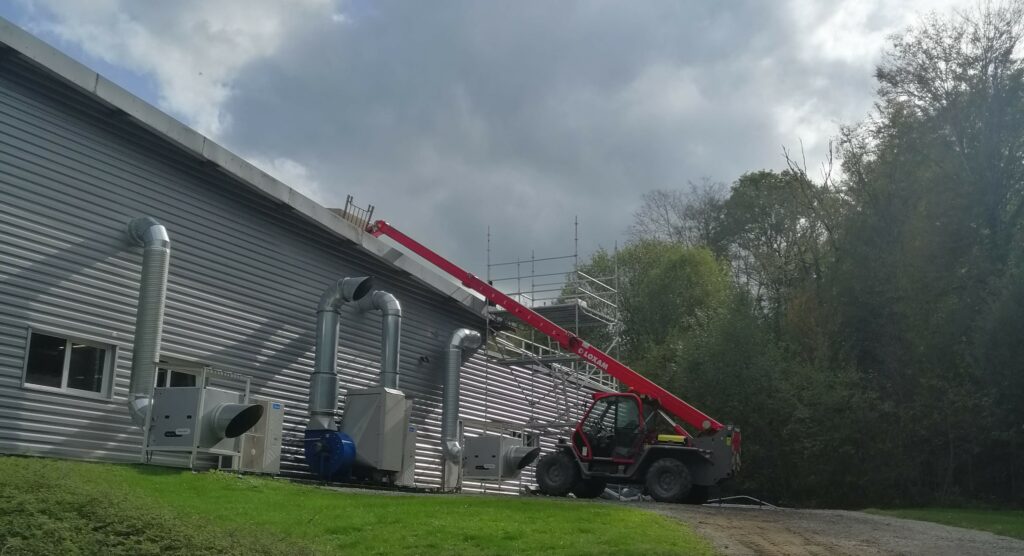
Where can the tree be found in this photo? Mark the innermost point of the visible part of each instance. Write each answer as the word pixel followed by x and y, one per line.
pixel 771 235
pixel 687 217
pixel 865 331
pixel 934 181
pixel 961 81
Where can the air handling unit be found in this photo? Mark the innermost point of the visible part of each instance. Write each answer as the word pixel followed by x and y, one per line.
pixel 496 458
pixel 377 420
pixel 199 419
pixel 206 419
pixel 376 441
pixel 482 458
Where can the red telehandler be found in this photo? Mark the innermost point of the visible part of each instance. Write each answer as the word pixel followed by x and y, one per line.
pixel 630 437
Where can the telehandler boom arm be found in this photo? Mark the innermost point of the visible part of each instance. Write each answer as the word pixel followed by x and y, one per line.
pixel 567 340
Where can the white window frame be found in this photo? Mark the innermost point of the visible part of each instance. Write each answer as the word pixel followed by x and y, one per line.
pixel 109 364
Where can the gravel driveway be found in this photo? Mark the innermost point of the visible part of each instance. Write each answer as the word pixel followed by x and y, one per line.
pixel 830 532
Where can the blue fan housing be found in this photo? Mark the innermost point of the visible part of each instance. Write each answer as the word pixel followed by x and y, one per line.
pixel 329 454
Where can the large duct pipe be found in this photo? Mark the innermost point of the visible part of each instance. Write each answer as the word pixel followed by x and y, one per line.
pixel 323 388
pixel 231 420
pixel 391 333
pixel 462 338
pixel 149 317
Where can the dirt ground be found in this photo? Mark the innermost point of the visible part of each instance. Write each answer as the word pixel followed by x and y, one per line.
pixel 736 531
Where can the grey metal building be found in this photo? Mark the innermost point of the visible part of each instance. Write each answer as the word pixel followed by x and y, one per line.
pixel 79 158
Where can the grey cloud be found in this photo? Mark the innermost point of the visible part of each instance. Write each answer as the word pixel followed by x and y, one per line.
pixel 450 117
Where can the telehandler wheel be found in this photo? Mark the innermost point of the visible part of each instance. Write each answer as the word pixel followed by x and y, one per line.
pixel 589 488
pixel 557 474
pixel 668 480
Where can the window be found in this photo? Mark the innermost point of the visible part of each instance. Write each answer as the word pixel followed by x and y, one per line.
pixel 612 428
pixel 68 364
pixel 174 379
pixel 601 419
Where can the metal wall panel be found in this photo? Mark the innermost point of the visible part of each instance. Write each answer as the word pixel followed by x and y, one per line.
pixel 245 277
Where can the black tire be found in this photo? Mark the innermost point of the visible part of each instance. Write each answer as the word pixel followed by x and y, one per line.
pixel 668 480
pixel 589 488
pixel 557 474
pixel 699 494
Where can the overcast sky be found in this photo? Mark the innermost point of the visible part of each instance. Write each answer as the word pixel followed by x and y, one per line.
pixel 454 116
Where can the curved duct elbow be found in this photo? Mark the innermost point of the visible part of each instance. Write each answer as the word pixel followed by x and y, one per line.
pixel 391 333
pixel 323 388
pixel 149 316
pixel 343 291
pixel 462 339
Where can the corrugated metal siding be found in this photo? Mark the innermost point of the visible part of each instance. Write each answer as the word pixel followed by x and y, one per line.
pixel 246 274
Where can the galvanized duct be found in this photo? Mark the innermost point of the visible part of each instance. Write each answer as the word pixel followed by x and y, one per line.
pixel 391 333
pixel 462 338
pixel 323 385
pixel 149 316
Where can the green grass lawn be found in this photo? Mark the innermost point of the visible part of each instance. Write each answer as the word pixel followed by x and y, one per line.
pixel 1009 523
pixel 63 507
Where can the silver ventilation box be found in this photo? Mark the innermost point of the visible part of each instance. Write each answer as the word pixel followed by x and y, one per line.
pixel 493 458
pixel 377 420
pixel 209 419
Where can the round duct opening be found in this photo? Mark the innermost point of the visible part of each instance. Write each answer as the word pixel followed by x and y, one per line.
pixel 354 289
pixel 233 420
pixel 521 456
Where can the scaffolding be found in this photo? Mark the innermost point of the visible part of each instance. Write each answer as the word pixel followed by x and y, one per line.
pixel 558 289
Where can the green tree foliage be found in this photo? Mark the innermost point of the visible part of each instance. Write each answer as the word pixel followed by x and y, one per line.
pixel 672 292
pixel 867 333
pixel 770 232
pixel 928 262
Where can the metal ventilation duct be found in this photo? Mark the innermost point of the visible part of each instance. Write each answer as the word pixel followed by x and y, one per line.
pixel 391 333
pixel 149 317
pixel 231 420
pixel 462 338
pixel 323 388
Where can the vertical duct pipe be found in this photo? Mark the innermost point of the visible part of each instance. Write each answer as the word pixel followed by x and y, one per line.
pixel 323 388
pixel 462 338
pixel 391 333
pixel 149 317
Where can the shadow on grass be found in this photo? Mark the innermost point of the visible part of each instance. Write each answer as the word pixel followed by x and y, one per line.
pixel 156 471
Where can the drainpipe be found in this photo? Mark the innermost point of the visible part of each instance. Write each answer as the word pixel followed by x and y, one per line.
pixel 323 387
pixel 149 317
pixel 462 338
pixel 391 333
